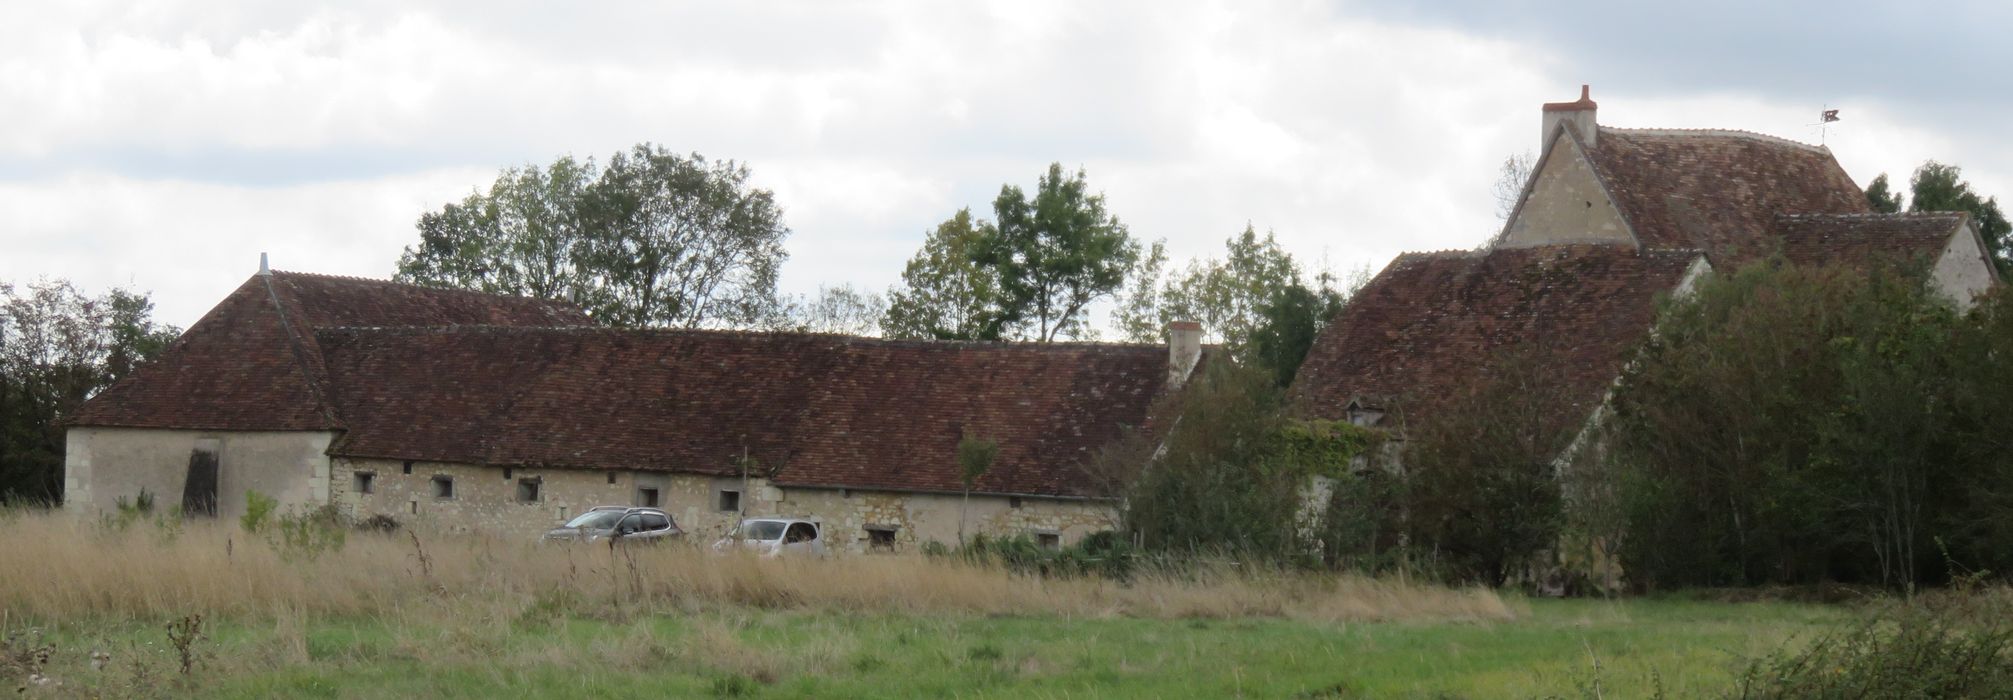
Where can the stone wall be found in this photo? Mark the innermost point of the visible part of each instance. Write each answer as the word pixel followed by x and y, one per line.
pixel 484 500
pixel 102 465
pixel 1961 271
pixel 1566 205
pixel 924 517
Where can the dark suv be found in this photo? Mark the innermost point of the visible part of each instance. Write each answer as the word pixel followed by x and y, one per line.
pixel 616 522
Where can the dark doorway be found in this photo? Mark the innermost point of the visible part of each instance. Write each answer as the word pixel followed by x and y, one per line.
pixel 199 489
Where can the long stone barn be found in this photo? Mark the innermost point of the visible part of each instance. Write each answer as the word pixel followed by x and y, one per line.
pixel 468 411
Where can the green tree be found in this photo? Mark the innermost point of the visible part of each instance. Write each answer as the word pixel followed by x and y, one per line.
pixel 59 347
pixel 527 236
pixel 1792 424
pixel 1939 187
pixel 654 239
pixel 1216 483
pixel 1228 296
pixel 1253 301
pixel 944 294
pixel 1138 318
pixel 685 242
pixel 1879 196
pixel 1056 253
pixel 1287 328
pixel 975 458
pixel 1482 495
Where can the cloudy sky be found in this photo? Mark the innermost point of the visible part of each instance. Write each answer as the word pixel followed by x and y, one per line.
pixel 163 145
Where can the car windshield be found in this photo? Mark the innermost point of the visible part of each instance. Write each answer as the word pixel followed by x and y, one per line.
pixel 596 520
pixel 759 530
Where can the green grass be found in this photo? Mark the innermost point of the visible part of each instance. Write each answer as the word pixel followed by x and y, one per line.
pixel 1689 648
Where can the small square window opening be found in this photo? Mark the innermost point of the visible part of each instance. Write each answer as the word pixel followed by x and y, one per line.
pixel 363 482
pixel 611 478
pixel 527 490
pixel 443 487
pixel 880 539
pixel 1013 501
pixel 1048 540
pixel 646 497
pixel 730 501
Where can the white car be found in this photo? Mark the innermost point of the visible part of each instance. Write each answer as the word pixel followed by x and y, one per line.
pixel 772 537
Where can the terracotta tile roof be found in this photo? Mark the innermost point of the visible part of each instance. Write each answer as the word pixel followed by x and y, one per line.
pixel 1809 239
pixel 817 410
pixel 251 363
pixel 1717 191
pixel 1422 329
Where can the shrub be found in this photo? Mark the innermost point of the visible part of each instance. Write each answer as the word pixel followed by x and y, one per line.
pixel 258 510
pixel 1229 476
pixel 1915 654
pixel 1793 425
pixel 1105 554
pixel 311 533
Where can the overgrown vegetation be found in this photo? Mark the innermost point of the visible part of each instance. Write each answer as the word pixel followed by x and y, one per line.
pixel 1481 495
pixel 1797 425
pixel 80 574
pixel 1230 476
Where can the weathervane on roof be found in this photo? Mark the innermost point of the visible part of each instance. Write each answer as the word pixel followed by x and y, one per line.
pixel 1824 120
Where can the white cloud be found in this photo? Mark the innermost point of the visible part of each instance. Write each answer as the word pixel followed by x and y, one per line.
pixel 166 144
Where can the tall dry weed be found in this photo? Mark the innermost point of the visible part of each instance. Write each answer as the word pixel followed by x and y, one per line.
pixel 55 568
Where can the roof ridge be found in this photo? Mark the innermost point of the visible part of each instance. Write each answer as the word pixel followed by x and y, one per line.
pixel 414 285
pixel 1443 253
pixel 1734 133
pixel 726 333
pixel 1870 215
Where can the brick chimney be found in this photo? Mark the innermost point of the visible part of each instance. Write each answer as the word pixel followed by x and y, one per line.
pixel 1577 115
pixel 1184 349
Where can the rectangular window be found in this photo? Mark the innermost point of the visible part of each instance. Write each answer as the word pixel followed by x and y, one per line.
pixel 527 490
pixel 730 500
pixel 880 538
pixel 1013 501
pixel 443 487
pixel 412 506
pixel 1048 540
pixel 611 478
pixel 363 482
pixel 646 497
pixel 407 469
pixel 506 473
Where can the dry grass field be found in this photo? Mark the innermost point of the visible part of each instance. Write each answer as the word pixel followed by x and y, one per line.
pixel 69 570
pixel 91 609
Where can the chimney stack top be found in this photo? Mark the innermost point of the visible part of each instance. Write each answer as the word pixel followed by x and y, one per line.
pixel 1585 102
pixel 1184 350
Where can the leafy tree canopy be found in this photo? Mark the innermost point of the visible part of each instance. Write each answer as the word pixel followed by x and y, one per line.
pixel 1879 196
pixel 59 347
pixel 1939 187
pixel 1253 300
pixel 944 293
pixel 654 239
pixel 1056 252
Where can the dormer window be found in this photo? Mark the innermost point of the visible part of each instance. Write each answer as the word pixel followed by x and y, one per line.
pixel 1364 416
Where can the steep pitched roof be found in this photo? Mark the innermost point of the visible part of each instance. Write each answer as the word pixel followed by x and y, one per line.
pixel 815 410
pixel 1717 191
pixel 251 363
pixel 1425 326
pixel 1810 239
